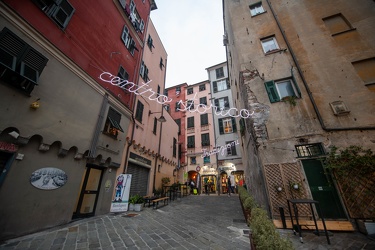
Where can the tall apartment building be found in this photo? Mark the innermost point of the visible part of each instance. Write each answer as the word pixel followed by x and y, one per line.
pixel 228 150
pixel 306 72
pixel 151 149
pixel 63 122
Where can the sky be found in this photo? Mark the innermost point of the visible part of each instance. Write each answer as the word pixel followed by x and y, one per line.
pixel 192 34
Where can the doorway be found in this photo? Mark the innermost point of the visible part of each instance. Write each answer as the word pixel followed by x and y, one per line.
pixel 323 189
pixel 89 194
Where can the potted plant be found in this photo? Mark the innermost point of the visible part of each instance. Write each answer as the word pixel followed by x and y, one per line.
pixel 138 201
pixel 131 203
pixel 290 99
pixel 165 181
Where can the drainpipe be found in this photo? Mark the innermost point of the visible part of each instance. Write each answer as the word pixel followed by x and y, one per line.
pixel 160 131
pixel 99 122
pixel 305 83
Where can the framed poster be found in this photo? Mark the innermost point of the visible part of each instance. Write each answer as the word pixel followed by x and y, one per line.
pixel 48 178
pixel 120 200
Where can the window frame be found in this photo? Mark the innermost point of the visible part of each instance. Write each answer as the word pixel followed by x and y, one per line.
pixel 204 119
pixel 224 99
pixel 222 127
pixel 253 8
pixel 268 39
pixel 190 91
pixel 191 141
pixel 219 72
pixel 54 9
pixel 274 92
pixel 232 151
pixel 190 122
pixel 220 84
pixel 202 87
pixel 112 124
pixel 139 111
pixel 205 139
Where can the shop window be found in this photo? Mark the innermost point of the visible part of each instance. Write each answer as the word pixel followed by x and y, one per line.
pixel 20 64
pixel 112 125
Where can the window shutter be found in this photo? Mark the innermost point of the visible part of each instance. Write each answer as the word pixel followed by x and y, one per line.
pixel 226 102
pixel 217 103
pixel 221 127
pixel 295 83
pixel 234 125
pixel 63 13
pixel 228 84
pixel 271 91
pixel 215 86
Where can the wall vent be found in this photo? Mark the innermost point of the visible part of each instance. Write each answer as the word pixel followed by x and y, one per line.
pixel 339 108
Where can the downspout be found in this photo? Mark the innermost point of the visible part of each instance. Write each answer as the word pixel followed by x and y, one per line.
pixel 305 83
pixel 95 137
pixel 160 131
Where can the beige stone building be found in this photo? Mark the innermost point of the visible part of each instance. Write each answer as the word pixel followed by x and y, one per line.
pixel 307 71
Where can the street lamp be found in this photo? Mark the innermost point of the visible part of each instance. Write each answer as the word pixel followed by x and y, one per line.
pixel 161 118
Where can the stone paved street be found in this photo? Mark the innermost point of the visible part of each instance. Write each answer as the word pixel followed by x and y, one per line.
pixel 193 222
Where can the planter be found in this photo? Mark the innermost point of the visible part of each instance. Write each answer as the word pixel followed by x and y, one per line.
pixel 138 207
pixel 131 207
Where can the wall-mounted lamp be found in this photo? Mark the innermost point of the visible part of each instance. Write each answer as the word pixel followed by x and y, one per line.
pixel 160 119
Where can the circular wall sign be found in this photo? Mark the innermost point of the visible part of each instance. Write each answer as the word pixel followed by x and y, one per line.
pixel 48 178
pixel 198 168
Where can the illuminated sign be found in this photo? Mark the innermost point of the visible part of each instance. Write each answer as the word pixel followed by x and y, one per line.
pixel 144 90
pixel 221 149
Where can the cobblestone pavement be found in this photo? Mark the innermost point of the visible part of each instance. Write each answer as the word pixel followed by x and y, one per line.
pixel 192 222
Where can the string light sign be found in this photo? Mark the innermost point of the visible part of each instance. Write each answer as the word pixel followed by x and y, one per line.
pixel 144 90
pixel 219 149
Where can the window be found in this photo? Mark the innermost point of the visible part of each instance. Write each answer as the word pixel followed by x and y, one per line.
pixel 128 40
pixel 232 149
pixel 269 44
pixel 219 73
pixel 174 147
pixel 204 119
pixel 190 104
pixel 190 122
pixel 155 126
pixel 310 150
pixel 178 106
pixel 337 24
pixel 59 11
pixel 191 141
pixel 205 138
pixel 122 73
pixel 256 9
pixel 207 159
pixel 227 125
pixel 366 70
pixel 112 124
pixel 222 103
pixel 178 121
pixel 277 90
pixel 143 72
pixel 220 85
pixel 202 87
pixel 139 111
pixel 178 91
pixel 150 42
pixel 20 64
pixel 203 100
pixel 190 91
pixel 193 160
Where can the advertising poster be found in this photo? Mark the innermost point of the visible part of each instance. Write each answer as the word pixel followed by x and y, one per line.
pixel 121 198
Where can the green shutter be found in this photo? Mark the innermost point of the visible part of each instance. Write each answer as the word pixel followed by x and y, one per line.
pixel 221 128
pixel 271 91
pixel 295 83
pixel 234 125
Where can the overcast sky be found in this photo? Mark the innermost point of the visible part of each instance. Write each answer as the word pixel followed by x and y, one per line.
pixel 192 34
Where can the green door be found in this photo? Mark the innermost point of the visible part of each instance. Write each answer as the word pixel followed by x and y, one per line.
pixel 323 190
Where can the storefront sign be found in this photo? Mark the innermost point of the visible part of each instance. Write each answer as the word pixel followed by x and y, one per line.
pixel 140 158
pixel 144 90
pixel 48 178
pixel 8 147
pixel 221 149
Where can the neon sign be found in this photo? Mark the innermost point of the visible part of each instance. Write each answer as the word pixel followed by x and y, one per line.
pixel 144 90
pixel 219 149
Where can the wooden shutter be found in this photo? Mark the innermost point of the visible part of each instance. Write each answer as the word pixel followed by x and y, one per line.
pixel 234 125
pixel 214 84
pixel 221 127
pixel 271 91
